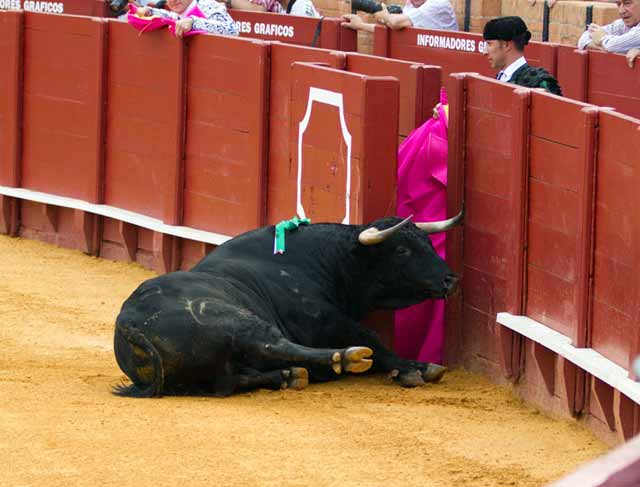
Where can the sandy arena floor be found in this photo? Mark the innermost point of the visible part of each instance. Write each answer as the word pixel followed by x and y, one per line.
pixel 60 425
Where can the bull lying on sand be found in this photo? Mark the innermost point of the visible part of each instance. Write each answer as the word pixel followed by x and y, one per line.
pixel 244 318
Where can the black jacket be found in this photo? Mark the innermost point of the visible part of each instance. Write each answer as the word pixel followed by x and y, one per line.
pixel 531 77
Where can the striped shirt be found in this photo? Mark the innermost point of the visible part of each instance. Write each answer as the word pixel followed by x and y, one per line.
pixel 619 38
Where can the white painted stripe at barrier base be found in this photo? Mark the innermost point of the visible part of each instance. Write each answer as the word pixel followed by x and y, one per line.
pixel 117 214
pixel 585 358
pixel 606 468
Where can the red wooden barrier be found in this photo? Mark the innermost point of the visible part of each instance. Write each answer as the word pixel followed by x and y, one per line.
pixel 572 72
pixel 306 31
pixel 487 168
pixel 226 147
pixel 10 115
pixel 454 51
pixel 281 173
pixel 616 287
pixel 419 86
pixel 145 123
pixel 611 83
pixel 617 247
pixel 95 8
pixel 562 145
pixel 63 129
pixel 343 139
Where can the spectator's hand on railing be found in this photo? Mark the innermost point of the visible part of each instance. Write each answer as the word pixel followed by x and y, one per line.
pixel 353 21
pixel 382 15
pixel 632 55
pixel 597 33
pixel 183 26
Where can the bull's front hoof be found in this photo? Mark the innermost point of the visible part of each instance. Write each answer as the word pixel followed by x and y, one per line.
pixel 411 379
pixel 295 378
pixel 433 373
pixel 355 359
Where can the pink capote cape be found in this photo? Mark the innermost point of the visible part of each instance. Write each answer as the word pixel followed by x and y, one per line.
pixel 144 24
pixel 422 183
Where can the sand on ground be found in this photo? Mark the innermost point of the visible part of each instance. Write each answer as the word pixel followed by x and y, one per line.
pixel 61 426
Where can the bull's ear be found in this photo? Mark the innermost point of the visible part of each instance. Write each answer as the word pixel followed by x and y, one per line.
pixel 372 235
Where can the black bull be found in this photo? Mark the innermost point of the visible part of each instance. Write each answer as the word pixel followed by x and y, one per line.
pixel 244 318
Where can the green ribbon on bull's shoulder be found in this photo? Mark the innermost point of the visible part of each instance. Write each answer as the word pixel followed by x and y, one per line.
pixel 282 228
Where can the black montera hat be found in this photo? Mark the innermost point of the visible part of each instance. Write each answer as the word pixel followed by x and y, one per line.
pixel 507 29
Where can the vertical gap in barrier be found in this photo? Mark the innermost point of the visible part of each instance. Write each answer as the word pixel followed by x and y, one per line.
pixel 174 215
pixel 263 133
pixel 545 22
pixel 586 232
pixel 11 174
pixel 512 344
pixel 634 358
pixel 456 91
pixel 467 15
pixel 97 193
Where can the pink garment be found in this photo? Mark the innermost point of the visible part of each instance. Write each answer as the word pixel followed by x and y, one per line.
pixel 144 24
pixel 422 191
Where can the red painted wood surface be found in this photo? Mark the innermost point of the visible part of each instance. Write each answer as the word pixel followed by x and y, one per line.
pixel 11 88
pixel 490 256
pixel 305 31
pixel 370 107
pixel 562 144
pixel 226 148
pixel 453 51
pixel 611 83
pixel 419 86
pixel 145 118
pixel 572 72
pixel 63 110
pixel 617 244
pixel 95 8
pixel 281 172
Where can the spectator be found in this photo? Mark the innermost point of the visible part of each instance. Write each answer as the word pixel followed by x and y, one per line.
pixel 273 6
pixel 424 14
pixel 303 8
pixel 216 18
pixel 618 36
pixel 506 38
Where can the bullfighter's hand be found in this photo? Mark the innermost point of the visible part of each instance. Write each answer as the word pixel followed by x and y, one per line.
pixel 352 21
pixel 183 26
pixel 143 12
pixel 632 55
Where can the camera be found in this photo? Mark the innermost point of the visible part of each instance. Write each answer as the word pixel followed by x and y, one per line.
pixel 119 7
pixel 371 7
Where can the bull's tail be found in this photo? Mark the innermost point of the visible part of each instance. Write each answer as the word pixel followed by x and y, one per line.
pixel 140 360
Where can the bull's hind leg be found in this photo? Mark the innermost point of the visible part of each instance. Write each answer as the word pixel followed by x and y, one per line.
pixel 321 361
pixel 248 379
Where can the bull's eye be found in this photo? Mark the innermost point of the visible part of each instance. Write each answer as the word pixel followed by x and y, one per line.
pixel 403 251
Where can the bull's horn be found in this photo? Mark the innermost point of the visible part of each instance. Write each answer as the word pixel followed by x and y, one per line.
pixel 372 236
pixel 435 227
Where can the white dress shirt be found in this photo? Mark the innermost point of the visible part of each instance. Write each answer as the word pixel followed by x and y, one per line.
pixel 507 73
pixel 432 14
